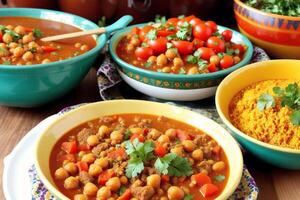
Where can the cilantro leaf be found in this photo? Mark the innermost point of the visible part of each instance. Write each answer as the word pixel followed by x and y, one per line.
pixel 152 34
pixel 219 178
pixel 184 32
pixel 160 19
pixel 134 167
pixel 295 118
pixel 13 34
pixel 7 62
pixel 265 101
pixel 169 45
pixel 188 197
pixel 127 134
pixel 192 59
pixel 37 33
pixel 148 64
pixel 278 91
pixel 181 16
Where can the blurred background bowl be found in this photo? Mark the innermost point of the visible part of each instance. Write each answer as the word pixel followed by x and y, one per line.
pixel 238 80
pixel 277 34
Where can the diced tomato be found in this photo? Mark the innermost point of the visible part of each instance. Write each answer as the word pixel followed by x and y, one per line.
pixel 138 136
pixel 164 33
pixel 198 43
pixel 173 21
pixel 28 29
pixel 126 195
pixel 120 152
pixel 209 190
pixel 184 47
pixel 201 179
pixel 146 131
pixel 239 47
pixel 212 67
pixel 165 178
pixel 135 30
pixel 1 36
pixel 143 32
pixel 69 147
pixel 190 17
pixel 82 166
pixel 216 150
pixel 182 135
pixel 105 176
pixel 160 150
pixel 84 147
pixel 48 49
pixel 66 157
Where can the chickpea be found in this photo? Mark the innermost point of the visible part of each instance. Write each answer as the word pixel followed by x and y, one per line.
pixel 177 150
pixel 88 158
pixel 136 130
pixel 95 170
pixel 103 130
pixel 152 59
pixel 154 133
pixel 197 155
pixel 163 139
pixel 90 189
pixel 171 53
pixel 163 198
pixel 77 45
pixel 177 62
pixel 71 183
pixel 130 48
pixel 13 45
pixel 135 41
pixel 80 197
pixel 161 60
pixel 18 52
pixel 84 47
pixel 103 193
pixel 92 140
pixel 27 38
pixel 193 70
pixel 166 69
pixel 7 38
pixel 116 136
pixel 175 193
pixel 102 162
pixel 171 133
pixel 188 145
pixel 124 180
pixel 28 56
pixel 236 59
pixel 71 168
pixel 3 45
pixel 113 184
pixel 10 27
pixel 32 45
pixel 46 61
pixel 20 30
pixel 61 174
pixel 154 181
pixel 218 166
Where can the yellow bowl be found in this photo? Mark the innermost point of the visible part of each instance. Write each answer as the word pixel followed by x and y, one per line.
pixel 241 78
pixel 92 111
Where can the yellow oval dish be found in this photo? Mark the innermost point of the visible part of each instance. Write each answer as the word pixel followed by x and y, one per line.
pixel 92 111
pixel 240 79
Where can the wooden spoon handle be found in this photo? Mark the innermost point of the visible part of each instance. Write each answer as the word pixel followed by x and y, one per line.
pixel 72 35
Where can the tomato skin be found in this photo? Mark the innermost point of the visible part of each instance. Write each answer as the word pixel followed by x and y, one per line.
pixel 182 135
pixel 195 21
pixel 184 47
pixel 159 45
pixel 84 147
pixel 68 157
pixel 105 176
pixel 48 49
pixel 212 67
pixel 135 30
pixel 143 53
pixel 216 44
pixel 198 43
pixel 227 35
pixel 138 136
pixel 240 48
pixel 189 18
pixel 206 53
pixel 226 62
pixel 160 151
pixel 126 195
pixel 201 179
pixel 173 21
pixel 165 178
pixel 164 33
pixel 82 166
pixel 69 147
pixel 143 32
pixel 212 25
pixel 120 152
pixel 209 190
pixel 202 31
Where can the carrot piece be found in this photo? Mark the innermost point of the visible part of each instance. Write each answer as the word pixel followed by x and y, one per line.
pixel 120 152
pixel 69 147
pixel 138 136
pixel 82 166
pixel 48 49
pixel 160 150
pixel 201 179
pixel 182 135
pixel 165 178
pixel 105 176
pixel 126 195
pixel 84 147
pixel 209 190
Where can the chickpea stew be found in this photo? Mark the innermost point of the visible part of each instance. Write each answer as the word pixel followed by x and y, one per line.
pixel 20 42
pixel 138 156
pixel 183 45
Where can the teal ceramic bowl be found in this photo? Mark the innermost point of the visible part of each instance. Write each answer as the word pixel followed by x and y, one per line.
pixel 34 85
pixel 161 82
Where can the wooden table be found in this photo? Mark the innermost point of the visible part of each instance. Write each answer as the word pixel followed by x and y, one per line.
pixel 273 183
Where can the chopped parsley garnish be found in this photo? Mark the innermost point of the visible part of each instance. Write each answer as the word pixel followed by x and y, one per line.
pixel 144 44
pixel 171 27
pixel 127 134
pixel 192 59
pixel 169 45
pixel 160 19
pixel 7 62
pixel 265 101
pixel 33 50
pixel 181 16
pixel 202 64
pixel 171 37
pixel 122 190
pixel 37 33
pixel 188 197
pixel 182 71
pixel 148 64
pixel 152 34
pixel 184 32
pixel 13 34
pixel 2 28
pixel 173 165
pixel 219 178
pixel 55 53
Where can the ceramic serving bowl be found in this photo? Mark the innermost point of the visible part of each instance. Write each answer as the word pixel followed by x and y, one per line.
pixel 92 111
pixel 277 34
pixel 34 85
pixel 232 84
pixel 174 86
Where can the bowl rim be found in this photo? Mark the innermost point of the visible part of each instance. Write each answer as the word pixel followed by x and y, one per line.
pixel 116 37
pixel 100 40
pixel 227 122
pixel 238 165
pixel 241 3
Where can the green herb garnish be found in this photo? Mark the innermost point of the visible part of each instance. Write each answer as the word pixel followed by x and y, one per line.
pixel 37 33
pixel 122 190
pixel 127 134
pixel 188 197
pixel 181 16
pixel 169 45
pixel 265 101
pixel 219 178
pixel 6 62
pixel 160 19
pixel 13 34
pixel 192 59
pixel 184 32
pixel 148 64
pixel 152 34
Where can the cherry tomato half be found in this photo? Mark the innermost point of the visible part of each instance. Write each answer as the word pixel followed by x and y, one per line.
pixel 240 47
pixel 216 44
pixel 189 18
pixel 212 25
pixel 202 31
pixel 173 21
pixel 198 43
pixel 206 53
pixel 195 21
pixel 227 35
pixel 159 45
pixel 212 67
pixel 226 62
pixel 135 30
pixel 143 53
pixel 164 33
pixel 184 47
pixel 143 32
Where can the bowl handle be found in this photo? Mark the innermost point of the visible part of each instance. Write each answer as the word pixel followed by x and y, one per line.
pixel 121 23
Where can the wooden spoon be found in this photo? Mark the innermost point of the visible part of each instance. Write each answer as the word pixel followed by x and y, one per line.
pixel 121 23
